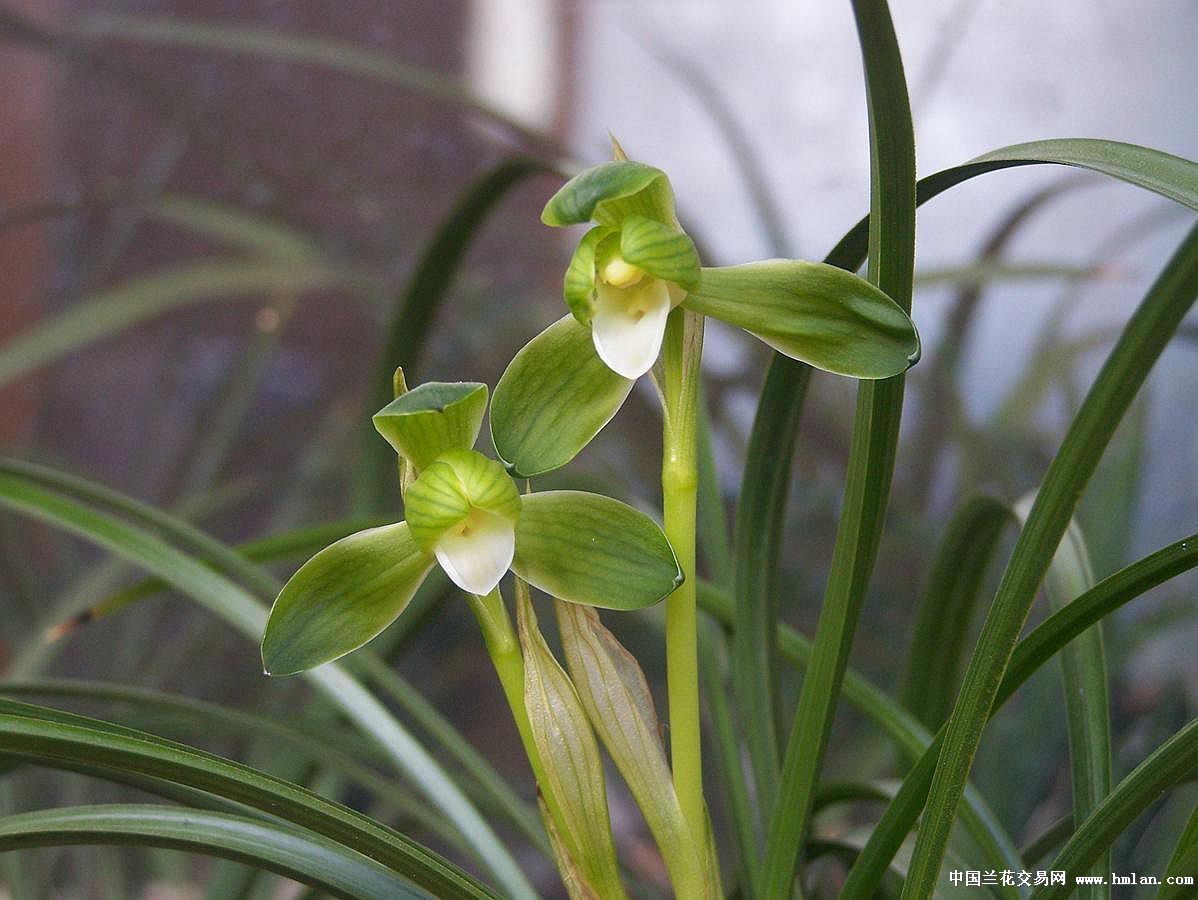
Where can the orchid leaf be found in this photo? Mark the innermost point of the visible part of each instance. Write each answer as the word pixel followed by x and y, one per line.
pixel 813 312
pixel 555 396
pixel 342 597
pixel 433 418
pixel 294 852
pixel 663 252
pixel 589 549
pixel 609 192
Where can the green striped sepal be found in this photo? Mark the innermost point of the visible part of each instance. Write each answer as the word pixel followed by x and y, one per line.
pixel 342 597
pixel 590 549
pixel 812 312
pixel 433 418
pixel 610 192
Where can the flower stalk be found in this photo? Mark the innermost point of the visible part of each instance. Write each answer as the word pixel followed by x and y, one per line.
pixel 683 350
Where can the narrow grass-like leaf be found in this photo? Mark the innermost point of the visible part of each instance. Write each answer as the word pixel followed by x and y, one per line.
pixel 715 543
pixel 587 548
pixel 288 851
pixel 717 694
pixel 760 520
pixel 1087 695
pixel 980 274
pixel 891 267
pixel 342 598
pixel 1169 764
pixel 140 299
pixel 51 737
pixel 1184 860
pixel 554 397
pixel 55 499
pixel 787 379
pixel 813 312
pixel 299 542
pixel 1164 174
pixel 910 737
pixel 237 227
pixel 503 796
pixel 940 632
pixel 145 708
pixel 1044 642
pixel 421 297
pixel 1143 340
pixel 1048 840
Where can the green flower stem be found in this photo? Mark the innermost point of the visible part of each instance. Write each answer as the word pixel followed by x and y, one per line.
pixel 682 351
pixel 504 649
pixel 503 646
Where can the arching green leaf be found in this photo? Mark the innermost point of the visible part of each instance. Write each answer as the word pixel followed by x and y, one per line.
pixel 289 851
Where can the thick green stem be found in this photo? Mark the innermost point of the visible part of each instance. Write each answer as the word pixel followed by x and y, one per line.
pixel 680 481
pixel 504 649
pixel 503 646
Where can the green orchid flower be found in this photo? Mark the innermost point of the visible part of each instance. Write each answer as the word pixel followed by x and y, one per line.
pixel 630 270
pixel 465 514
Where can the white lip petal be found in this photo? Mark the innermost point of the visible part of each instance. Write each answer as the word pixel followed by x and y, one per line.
pixel 476 553
pixel 629 324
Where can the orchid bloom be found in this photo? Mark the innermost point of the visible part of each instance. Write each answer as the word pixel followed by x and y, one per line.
pixel 465 514
pixel 632 268
pixel 463 510
pixel 629 272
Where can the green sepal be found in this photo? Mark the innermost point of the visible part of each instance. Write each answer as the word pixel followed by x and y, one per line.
pixel 555 396
pixel 812 312
pixel 662 251
pixel 432 419
pixel 579 286
pixel 454 484
pixel 610 192
pixel 342 597
pixel 589 549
